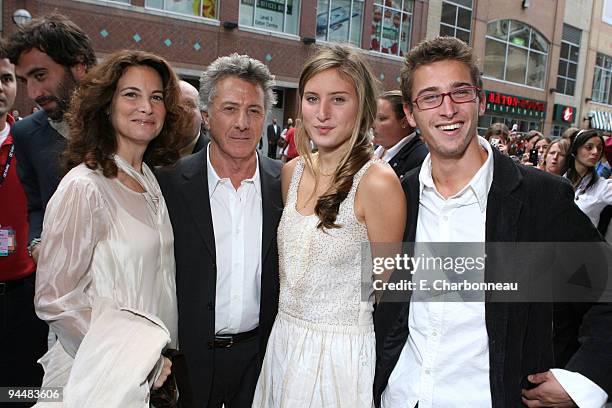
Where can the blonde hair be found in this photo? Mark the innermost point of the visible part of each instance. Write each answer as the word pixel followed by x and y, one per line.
pixel 352 67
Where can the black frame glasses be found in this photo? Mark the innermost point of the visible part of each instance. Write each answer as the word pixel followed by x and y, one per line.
pixel 456 95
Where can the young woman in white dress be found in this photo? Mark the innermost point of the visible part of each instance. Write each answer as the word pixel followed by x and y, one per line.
pixel 321 352
pixel 106 232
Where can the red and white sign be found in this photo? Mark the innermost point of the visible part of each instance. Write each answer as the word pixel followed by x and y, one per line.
pixel 568 114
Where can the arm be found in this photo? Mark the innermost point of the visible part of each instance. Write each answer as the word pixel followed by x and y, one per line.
pixel 73 225
pixel 381 204
pixel 29 181
pixel 585 381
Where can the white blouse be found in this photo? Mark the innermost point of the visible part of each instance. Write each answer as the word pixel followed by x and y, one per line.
pixel 102 239
pixel 595 199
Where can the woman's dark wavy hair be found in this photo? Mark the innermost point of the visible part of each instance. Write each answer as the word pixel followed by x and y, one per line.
pixel 351 66
pixel 579 138
pixel 92 136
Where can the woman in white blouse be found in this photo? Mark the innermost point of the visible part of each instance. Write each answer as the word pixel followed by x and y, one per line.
pixel 106 232
pixel 592 193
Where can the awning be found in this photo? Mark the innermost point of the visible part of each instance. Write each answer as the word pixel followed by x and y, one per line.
pixel 601 120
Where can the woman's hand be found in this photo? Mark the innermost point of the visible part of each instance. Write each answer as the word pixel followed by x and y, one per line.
pixel 165 372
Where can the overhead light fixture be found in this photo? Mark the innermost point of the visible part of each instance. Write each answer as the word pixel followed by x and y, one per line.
pixel 553 90
pixel 526 3
pixel 587 100
pixel 21 17
pixel 308 40
pixel 230 25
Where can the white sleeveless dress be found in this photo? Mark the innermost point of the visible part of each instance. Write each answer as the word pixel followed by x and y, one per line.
pixel 321 352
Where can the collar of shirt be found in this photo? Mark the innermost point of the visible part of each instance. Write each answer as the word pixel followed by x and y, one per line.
pixel 389 154
pixel 479 185
pixel 215 181
pixel 61 126
pixel 4 133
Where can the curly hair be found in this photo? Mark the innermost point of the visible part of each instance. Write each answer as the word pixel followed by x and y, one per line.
pixel 351 66
pixel 58 37
pixel 92 136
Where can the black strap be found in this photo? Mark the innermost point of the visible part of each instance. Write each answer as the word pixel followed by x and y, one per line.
pixel 7 165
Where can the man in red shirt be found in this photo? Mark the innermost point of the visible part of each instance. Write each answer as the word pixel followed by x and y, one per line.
pixel 23 337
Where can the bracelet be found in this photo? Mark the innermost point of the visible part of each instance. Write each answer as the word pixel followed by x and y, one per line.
pixel 32 245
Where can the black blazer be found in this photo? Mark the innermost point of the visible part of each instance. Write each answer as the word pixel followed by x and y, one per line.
pixel 524 205
pixel 38 147
pixel 272 135
pixel 185 189
pixel 411 155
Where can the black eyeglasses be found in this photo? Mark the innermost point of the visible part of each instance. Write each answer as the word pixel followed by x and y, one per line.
pixel 460 95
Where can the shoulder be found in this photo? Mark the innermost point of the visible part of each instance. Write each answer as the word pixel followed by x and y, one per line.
pixel 30 123
pixel 193 162
pixel 289 168
pixel 81 182
pixel 271 166
pixel 544 184
pixel 379 178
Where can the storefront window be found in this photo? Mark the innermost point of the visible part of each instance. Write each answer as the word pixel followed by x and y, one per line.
pixel 272 15
pixel 568 60
pixel 340 21
pixel 515 52
pixel 602 81
pixel 391 26
pixel 200 8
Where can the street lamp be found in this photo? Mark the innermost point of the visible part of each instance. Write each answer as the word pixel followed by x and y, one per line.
pixel 21 17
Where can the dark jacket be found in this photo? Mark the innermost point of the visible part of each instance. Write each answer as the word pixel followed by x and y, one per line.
pixel 38 147
pixel 410 156
pixel 185 189
pixel 524 205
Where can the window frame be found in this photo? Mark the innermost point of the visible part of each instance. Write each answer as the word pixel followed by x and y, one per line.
pixel 506 42
pixel 606 99
pixel 350 22
pixel 410 21
pixel 178 13
pixel 456 27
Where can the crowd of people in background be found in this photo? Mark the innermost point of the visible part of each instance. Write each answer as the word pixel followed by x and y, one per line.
pixel 582 156
pixel 142 224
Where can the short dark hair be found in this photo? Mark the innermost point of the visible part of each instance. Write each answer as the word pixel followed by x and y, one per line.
pixel 437 49
pixel 3 49
pixel 55 35
pixel 498 129
pixel 92 137
pixel 395 99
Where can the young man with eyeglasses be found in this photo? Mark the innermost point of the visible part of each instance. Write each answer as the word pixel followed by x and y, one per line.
pixel 441 354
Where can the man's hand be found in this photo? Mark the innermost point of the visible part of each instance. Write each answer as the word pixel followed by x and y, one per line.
pixel 548 393
pixel 165 372
pixel 35 253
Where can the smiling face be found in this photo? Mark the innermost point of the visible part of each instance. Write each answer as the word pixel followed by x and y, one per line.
pixel 48 83
pixel 236 118
pixel 589 153
pixel 388 129
pixel 555 159
pixel 137 109
pixel 329 109
pixel 450 129
pixel 8 87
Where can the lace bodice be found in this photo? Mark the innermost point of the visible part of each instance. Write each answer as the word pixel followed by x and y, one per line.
pixel 320 270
